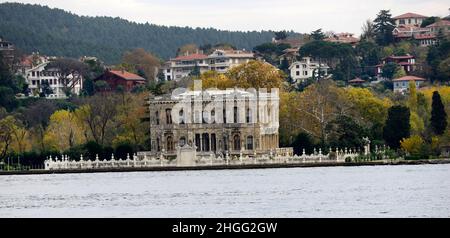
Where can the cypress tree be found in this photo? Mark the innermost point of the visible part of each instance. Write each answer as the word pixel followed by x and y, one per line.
pixel 397 126
pixel 438 115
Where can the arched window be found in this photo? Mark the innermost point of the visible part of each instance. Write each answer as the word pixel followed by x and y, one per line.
pixel 169 116
pixel 237 142
pixel 198 141
pixel 205 142
pixel 213 116
pixel 249 142
pixel 170 143
pixel 235 113
pixel 157 117
pixel 248 116
pixel 225 143
pixel 213 142
pixel 181 117
pixel 224 116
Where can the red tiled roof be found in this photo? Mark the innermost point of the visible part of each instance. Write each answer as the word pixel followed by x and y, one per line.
pixel 409 78
pixel 126 75
pixel 27 62
pixel 343 38
pixel 440 24
pixel 191 57
pixel 409 15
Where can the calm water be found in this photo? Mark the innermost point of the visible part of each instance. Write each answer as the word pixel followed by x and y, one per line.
pixel 381 191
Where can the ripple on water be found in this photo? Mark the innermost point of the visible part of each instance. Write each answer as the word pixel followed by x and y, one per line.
pixel 381 191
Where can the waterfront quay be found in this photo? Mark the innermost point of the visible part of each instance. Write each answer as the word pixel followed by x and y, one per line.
pixel 229 166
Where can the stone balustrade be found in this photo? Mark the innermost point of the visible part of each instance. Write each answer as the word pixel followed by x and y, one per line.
pixel 135 161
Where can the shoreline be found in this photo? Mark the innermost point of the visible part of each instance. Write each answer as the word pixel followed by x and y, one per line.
pixel 230 167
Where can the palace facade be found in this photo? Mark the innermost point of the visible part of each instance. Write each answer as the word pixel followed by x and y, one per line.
pixel 246 123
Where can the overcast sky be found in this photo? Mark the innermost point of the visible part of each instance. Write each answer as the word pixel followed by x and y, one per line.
pixel 243 15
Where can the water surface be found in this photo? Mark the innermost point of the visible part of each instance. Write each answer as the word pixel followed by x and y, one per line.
pixel 372 191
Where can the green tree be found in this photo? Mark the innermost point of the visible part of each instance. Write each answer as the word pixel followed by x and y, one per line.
pixel 340 57
pixel 428 21
pixel 124 150
pixel 438 114
pixel 317 35
pixel 384 25
pixel 344 131
pixel 95 68
pixel 412 99
pixel 370 55
pixel 195 72
pixel 45 89
pixel 368 31
pixel 271 52
pixel 389 70
pixel 436 60
pixel 284 65
pixel 443 70
pixel 7 98
pixel 397 126
pixel 399 72
pixel 142 61
pixel 71 72
pixel 281 35
pixel 303 141
pixel 6 135
pixel 65 34
pixel 7 87
pixel 101 85
pixel 89 87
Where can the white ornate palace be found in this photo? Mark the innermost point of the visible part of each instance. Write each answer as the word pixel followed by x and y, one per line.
pixel 230 121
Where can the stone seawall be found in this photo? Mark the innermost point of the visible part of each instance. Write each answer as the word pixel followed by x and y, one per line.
pixel 224 167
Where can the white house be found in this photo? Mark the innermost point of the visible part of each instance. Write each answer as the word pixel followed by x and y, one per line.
pixel 401 85
pixel 409 19
pixel 220 61
pixel 223 60
pixel 181 66
pixel 306 68
pixel 38 75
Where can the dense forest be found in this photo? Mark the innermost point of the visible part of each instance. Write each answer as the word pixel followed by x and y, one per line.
pixel 56 32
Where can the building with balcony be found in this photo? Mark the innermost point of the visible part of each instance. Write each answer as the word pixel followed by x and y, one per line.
pixel 223 60
pixel 39 75
pixel 409 19
pixel 401 85
pixel 408 62
pixel 121 78
pixel 216 122
pixel 307 68
pixel 182 66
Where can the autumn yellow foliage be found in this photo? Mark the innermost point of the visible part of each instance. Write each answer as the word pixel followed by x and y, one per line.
pixel 254 74
pixel 412 145
pixel 369 106
pixel 64 131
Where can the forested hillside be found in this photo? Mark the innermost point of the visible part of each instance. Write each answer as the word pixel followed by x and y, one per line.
pixel 60 33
